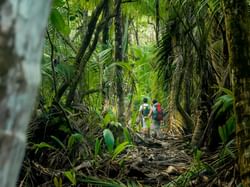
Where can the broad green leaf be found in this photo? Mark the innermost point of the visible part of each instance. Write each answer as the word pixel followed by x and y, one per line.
pixel 223 103
pixel 58 22
pixel 109 139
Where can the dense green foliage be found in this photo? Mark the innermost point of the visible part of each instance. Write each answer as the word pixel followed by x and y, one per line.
pixel 75 125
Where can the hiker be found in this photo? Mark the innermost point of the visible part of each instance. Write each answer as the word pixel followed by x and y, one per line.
pixel 156 114
pixel 144 115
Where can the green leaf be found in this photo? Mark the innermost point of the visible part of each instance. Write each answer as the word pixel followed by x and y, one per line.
pixel 65 70
pixel 64 128
pixel 127 135
pixel 108 118
pixel 97 146
pixel 223 103
pixel 58 3
pixel 230 152
pixel 121 147
pixel 197 154
pixel 109 139
pixel 71 176
pixel 222 134
pixel 230 125
pixel 42 145
pixel 58 22
pixel 59 142
pixel 74 138
pixel 104 182
pixel 57 183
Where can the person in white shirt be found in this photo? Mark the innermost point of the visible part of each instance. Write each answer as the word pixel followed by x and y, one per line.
pixel 144 113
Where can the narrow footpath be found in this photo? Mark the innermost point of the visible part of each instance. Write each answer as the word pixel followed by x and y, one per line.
pixel 155 162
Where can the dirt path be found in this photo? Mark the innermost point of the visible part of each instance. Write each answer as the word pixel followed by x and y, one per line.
pixel 158 161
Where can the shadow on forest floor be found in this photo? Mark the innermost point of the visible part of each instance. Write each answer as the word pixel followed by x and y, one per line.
pixel 158 161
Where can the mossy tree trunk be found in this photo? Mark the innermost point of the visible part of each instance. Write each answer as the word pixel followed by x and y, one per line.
pixel 22 26
pixel 105 43
pixel 119 58
pixel 157 21
pixel 237 30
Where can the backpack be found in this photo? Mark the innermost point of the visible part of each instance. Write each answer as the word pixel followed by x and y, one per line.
pixel 157 112
pixel 145 110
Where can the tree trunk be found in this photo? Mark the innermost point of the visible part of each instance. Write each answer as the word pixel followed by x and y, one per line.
pixel 187 86
pixel 179 80
pixel 22 26
pixel 157 21
pixel 83 63
pixel 119 58
pixel 86 49
pixel 237 30
pixel 105 33
pixel 105 40
pixel 202 111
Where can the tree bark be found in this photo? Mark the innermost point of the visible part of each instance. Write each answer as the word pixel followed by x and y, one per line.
pixel 179 80
pixel 105 39
pixel 105 33
pixel 90 30
pixel 88 46
pixel 237 31
pixel 157 21
pixel 119 58
pixel 22 26
pixel 81 53
pixel 83 63
pixel 202 111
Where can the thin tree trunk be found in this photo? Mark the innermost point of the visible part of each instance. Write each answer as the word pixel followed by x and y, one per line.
pixel 136 33
pixel 202 112
pixel 105 33
pixel 119 58
pixel 83 56
pixel 83 63
pixel 179 79
pixel 80 55
pixel 187 87
pixel 157 21
pixel 22 26
pixel 105 39
pixel 90 30
pixel 237 30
